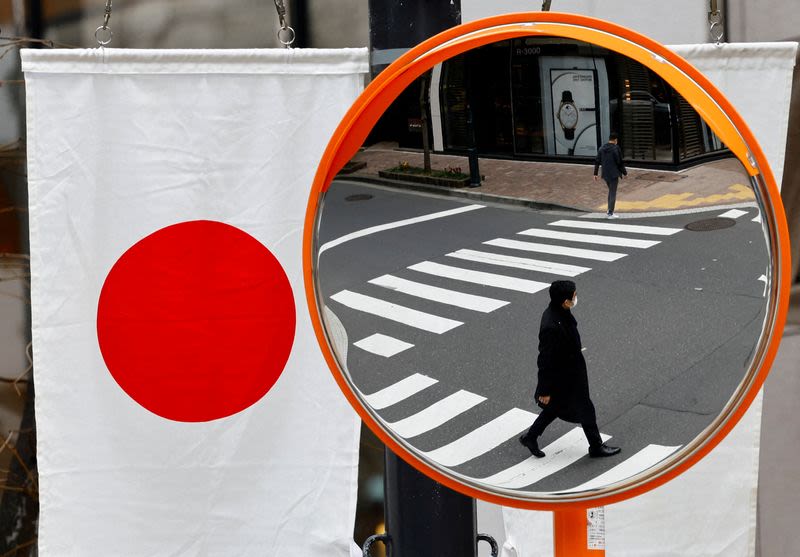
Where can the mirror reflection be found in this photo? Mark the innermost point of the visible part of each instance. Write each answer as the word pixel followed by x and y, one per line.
pixel 454 245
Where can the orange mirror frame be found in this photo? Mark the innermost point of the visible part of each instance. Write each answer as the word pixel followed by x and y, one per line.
pixel 712 106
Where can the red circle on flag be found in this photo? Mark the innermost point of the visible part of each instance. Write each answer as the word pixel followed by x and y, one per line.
pixel 196 321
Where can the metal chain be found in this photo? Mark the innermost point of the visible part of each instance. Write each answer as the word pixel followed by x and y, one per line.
pixel 715 27
pixel 286 34
pixel 103 34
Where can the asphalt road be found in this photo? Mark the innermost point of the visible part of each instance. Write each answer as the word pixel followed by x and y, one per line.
pixel 668 328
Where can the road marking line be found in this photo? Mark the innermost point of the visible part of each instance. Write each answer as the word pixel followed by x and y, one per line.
pixel 589 238
pixel 519 262
pixel 397 224
pixel 483 439
pixel 763 278
pixel 641 461
pixel 383 345
pixel 733 214
pixel 436 414
pixel 556 250
pixel 399 391
pixel 401 314
pixel 479 277
pixel 616 227
pixel 559 454
pixel 757 218
pixel 441 295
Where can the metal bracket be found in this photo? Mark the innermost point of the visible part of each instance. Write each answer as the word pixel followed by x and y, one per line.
pixel 491 541
pixel 385 538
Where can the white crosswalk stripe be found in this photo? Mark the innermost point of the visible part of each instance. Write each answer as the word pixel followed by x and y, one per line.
pixel 401 314
pixel 383 345
pixel 559 454
pixel 641 461
pixel 589 238
pixel 436 414
pixel 733 214
pixel 483 439
pixel 479 277
pixel 441 295
pixel 556 250
pixel 397 392
pixel 550 267
pixel 614 227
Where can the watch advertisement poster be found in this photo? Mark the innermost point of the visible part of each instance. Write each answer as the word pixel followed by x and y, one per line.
pixel 574 117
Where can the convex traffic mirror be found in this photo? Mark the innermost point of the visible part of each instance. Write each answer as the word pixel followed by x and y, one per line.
pixel 462 186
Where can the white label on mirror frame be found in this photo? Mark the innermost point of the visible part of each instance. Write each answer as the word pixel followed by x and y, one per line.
pixel 401 314
pixel 613 227
pixel 398 392
pixel 566 450
pixel 383 345
pixel 596 528
pixel 436 414
pixel 397 224
pixel 560 269
pixel 479 277
pixel 589 238
pixel 641 461
pixel 441 295
pixel 483 439
pixel 733 214
pixel 556 250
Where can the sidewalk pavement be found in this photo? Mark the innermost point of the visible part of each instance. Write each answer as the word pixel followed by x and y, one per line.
pixel 568 185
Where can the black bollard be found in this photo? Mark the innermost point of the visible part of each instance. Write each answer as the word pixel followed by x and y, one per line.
pixel 474 171
pixel 425 518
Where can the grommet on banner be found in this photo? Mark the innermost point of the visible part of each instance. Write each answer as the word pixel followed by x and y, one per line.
pixel 103 34
pixel 286 34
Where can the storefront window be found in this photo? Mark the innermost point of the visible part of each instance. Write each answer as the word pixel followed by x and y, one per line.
pixel 526 90
pixel 454 104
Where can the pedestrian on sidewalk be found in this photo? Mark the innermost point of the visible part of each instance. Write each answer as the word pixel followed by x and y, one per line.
pixel 563 387
pixel 609 158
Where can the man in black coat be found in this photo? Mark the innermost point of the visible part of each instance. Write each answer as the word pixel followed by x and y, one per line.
pixel 563 388
pixel 609 158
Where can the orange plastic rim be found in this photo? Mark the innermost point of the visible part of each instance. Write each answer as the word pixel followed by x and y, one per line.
pixel 718 113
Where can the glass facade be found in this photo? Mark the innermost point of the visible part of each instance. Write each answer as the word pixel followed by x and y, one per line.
pixel 546 98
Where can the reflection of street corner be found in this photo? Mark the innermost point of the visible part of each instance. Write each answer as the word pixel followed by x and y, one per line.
pixel 736 193
pixel 337 335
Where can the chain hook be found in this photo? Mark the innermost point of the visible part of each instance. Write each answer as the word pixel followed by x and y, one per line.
pixel 715 26
pixel 103 34
pixel 286 34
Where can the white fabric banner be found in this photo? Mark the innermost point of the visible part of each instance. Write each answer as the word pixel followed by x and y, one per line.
pixel 183 406
pixel 710 510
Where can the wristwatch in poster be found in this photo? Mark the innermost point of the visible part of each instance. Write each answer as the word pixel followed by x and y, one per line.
pixel 568 114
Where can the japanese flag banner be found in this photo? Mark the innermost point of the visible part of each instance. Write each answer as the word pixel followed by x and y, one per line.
pixel 182 404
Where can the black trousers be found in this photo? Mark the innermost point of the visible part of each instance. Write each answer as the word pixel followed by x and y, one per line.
pixel 612 194
pixel 548 416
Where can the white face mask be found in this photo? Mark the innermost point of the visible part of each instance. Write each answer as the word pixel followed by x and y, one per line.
pixel 575 301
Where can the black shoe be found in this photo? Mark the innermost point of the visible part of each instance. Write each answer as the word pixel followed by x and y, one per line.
pixel 603 450
pixel 533 446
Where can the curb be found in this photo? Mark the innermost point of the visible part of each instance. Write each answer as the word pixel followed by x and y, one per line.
pixel 467 194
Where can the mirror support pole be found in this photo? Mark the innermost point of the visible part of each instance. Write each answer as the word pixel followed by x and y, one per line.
pixel 425 518
pixel 571 533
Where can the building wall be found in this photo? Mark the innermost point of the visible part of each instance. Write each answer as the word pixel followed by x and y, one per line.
pixel 658 20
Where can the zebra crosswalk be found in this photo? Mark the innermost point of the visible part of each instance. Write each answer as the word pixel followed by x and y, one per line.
pixel 537 255
pixel 527 470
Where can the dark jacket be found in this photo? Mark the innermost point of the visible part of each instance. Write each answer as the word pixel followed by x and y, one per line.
pixel 609 157
pixel 562 368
